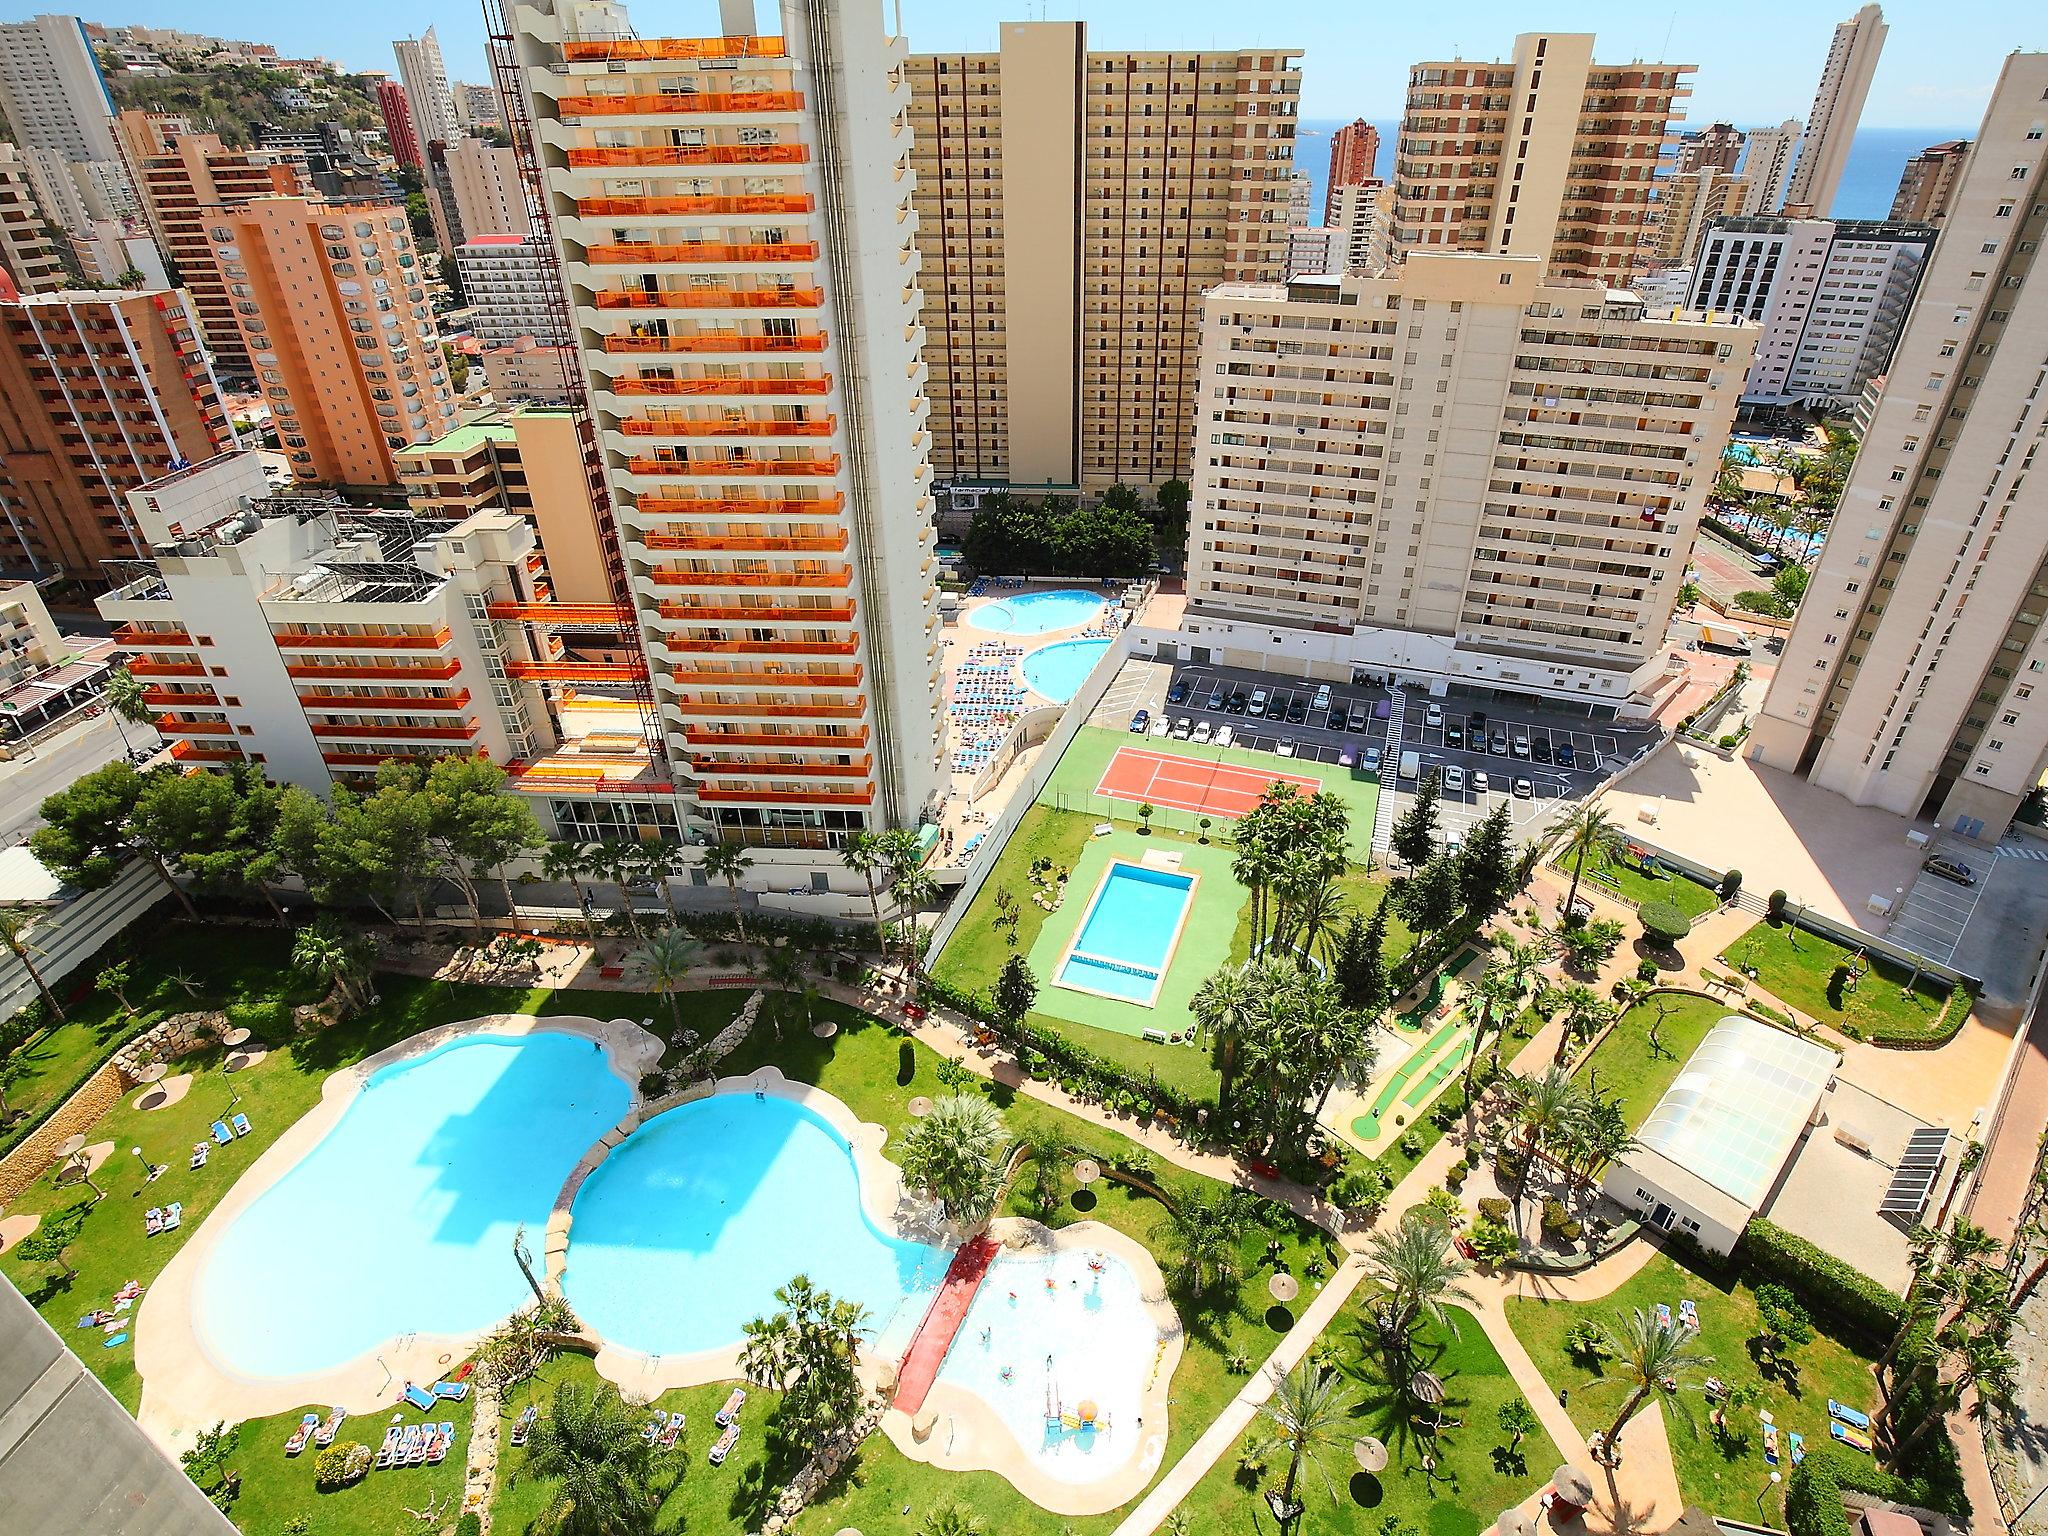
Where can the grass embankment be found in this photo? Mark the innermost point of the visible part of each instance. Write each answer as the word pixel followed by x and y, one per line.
pixel 1799 967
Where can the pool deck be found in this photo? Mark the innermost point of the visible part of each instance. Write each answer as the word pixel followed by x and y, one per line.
pixel 184 1389
pixel 963 1432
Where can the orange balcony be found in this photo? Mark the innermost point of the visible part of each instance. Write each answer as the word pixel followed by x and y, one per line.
pixel 147 668
pixel 765 647
pixel 858 769
pixel 841 577
pixel 812 343
pixel 719 468
pixel 577 671
pixel 384 703
pixel 706 154
pixel 850 678
pixel 748 543
pixel 154 639
pixel 757 202
pixel 675 48
pixel 193 752
pixel 641 253
pixel 347 759
pixel 335 640
pixel 712 298
pixel 704 613
pixel 693 102
pixel 463 732
pixel 820 385
pixel 823 427
pixel 715 506
pixel 562 613
pixel 852 711
pixel 168 698
pixel 792 796
pixel 372 672
pixel 704 739
pixel 172 726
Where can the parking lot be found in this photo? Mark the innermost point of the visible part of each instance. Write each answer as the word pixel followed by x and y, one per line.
pixel 1562 757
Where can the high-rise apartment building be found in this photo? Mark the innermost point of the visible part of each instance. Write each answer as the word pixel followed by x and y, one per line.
pixel 1461 470
pixel 1916 676
pixel 438 183
pixel 490 199
pixel 1767 165
pixel 1837 108
pixel 1072 207
pixel 1687 201
pixel 1300 192
pixel 1548 154
pixel 1929 181
pixel 736 227
pixel 400 136
pixel 27 253
pixel 52 92
pixel 477 106
pixel 99 393
pixel 1312 248
pixel 1829 296
pixel 1361 223
pixel 1716 147
pixel 117 253
pixel 425 79
pixel 334 316
pixel 1354 160
pixel 512 286
pixel 181 186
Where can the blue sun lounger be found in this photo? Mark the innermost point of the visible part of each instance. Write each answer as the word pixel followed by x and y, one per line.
pixel 420 1398
pixel 221 1133
pixel 240 1123
pixel 1855 1418
pixel 453 1391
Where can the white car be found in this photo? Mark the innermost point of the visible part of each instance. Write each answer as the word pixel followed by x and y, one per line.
pixel 1183 728
pixel 1322 698
pixel 1521 746
pixel 1478 781
pixel 1225 736
pixel 1286 748
pixel 1433 716
pixel 1202 731
pixel 1454 779
pixel 1162 725
pixel 1524 790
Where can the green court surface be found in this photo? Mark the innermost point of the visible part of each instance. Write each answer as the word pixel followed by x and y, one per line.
pixel 1204 940
pixel 1367 1125
pixel 1080 770
pixel 1417 1096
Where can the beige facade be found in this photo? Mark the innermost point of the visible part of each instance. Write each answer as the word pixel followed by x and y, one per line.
pixel 29 639
pixel 1929 181
pixel 524 371
pixel 1837 108
pixel 1686 203
pixel 490 199
pixel 1916 677
pixel 1361 218
pixel 1767 166
pixel 1072 209
pixel 1460 470
pixel 27 252
pixel 1548 154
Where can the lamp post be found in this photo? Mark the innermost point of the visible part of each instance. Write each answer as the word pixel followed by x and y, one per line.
pixel 525 1258
pixel 1776 1478
pixel 148 1168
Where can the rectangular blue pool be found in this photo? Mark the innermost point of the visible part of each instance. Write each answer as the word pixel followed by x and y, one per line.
pixel 1128 933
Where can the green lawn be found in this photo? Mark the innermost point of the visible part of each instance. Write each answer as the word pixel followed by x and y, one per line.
pixel 1476 1475
pixel 1723 1476
pixel 275 1487
pixel 1639 885
pixel 1629 1068
pixel 1796 965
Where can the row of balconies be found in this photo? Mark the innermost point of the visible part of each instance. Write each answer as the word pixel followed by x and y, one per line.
pixel 709 298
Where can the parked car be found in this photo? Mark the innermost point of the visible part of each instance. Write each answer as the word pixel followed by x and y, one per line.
pixel 1565 756
pixel 1216 696
pixel 1235 704
pixel 1139 721
pixel 1521 746
pixel 1498 743
pixel 1950 869
pixel 1524 790
pixel 1178 693
pixel 1433 715
pixel 1478 781
pixel 1286 747
pixel 1225 736
pixel 1335 719
pixel 1347 758
pixel 1454 779
pixel 1540 749
pixel 1259 700
pixel 1183 728
pixel 1276 706
pixel 1361 717
pixel 1476 723
pixel 1372 759
pixel 1161 726
pixel 1454 736
pixel 1297 712
pixel 1322 698
pixel 1203 731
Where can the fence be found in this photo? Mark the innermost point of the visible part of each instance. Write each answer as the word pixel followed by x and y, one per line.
pixel 1109 808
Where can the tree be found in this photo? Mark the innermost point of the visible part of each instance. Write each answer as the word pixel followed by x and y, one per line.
pixel 589 1445
pixel 809 1351
pixel 954 1519
pixel 474 825
pixel 1361 963
pixel 1173 497
pixel 1414 834
pixel 1517 1419
pixel 1955 1342
pixel 571 862
pixel 1650 1357
pixel 656 860
pixel 669 956
pixel 1663 923
pixel 617 862
pixel 728 862
pixel 114 982
pixel 14 928
pixel 329 952
pixel 1487 866
pixel 1586 1013
pixel 1221 1008
pixel 865 853
pixel 913 890
pixel 1205 1234
pixel 1415 1273
pixel 1430 898
pixel 51 1241
pixel 89 832
pixel 1491 1003
pixel 1311 1420
pixel 1016 991
pixel 1587 830
pixel 1543 1108
pixel 124 695
pixel 955 1155
pixel 206 1463
pixel 1584 946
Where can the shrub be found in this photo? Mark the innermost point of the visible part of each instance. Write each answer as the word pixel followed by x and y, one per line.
pixel 1782 1314
pixel 1823 1281
pixel 1559 1222
pixel 1813 1494
pixel 1730 884
pixel 1494 1241
pixel 1646 970
pixel 1727 741
pixel 1493 1208
pixel 1662 922
pixel 340 1465
pixel 471 1524
pixel 1446 1207
pixel 1838 983
pixel 1585 1343
pixel 1774 909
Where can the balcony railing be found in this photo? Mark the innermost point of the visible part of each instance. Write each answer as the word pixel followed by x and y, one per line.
pixel 706 154
pixel 153 639
pixel 348 759
pixel 842 576
pixel 821 385
pixel 857 769
pixel 577 671
pixel 690 102
pixel 711 298
pixel 562 613
pixel 643 253
pixel 674 48
pixel 685 678
pixel 384 703
pixel 335 640
pixel 335 728
pixel 780 469
pixel 170 698
pixel 754 202
pixel 195 752
pixel 717 506
pixel 850 711
pixel 792 796
pixel 815 342
pixel 372 672
pixel 696 613
pixel 704 739
pixel 764 647
pixel 823 426
pixel 171 726
pixel 750 543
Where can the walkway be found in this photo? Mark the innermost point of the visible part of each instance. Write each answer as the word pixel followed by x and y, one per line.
pixel 934 1336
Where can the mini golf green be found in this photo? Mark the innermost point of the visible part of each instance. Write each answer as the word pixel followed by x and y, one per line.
pixel 1367 1125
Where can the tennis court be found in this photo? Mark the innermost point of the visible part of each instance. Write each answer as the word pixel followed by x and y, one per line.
pixel 1191 784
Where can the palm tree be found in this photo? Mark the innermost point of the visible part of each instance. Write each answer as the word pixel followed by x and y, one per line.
pixel 331 953
pixel 1312 1421
pixel 1586 1013
pixel 810 1353
pixel 727 862
pixel 657 860
pixel 866 855
pixel 1205 1236
pixel 589 1445
pixel 570 862
pixel 1317 919
pixel 1651 1357
pixel 785 973
pixel 1491 1003
pixel 1221 1008
pixel 669 956
pixel 615 861
pixel 953 1520
pixel 913 890
pixel 955 1155
pixel 1543 1107
pixel 14 934
pixel 124 696
pixel 1417 1273
pixel 1588 829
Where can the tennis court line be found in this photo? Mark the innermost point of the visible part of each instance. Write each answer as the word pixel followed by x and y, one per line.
pixel 1225 788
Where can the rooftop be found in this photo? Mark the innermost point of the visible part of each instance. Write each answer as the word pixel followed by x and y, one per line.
pixel 471 434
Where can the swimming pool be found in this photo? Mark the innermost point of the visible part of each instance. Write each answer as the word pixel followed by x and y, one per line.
pixel 1128 933
pixel 401 1219
pixel 681 1236
pixel 1056 672
pixel 1038 613
pixel 1072 1330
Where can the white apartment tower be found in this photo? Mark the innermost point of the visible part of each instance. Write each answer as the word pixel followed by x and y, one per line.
pixel 1916 678
pixel 425 79
pixel 1837 107
pixel 1767 166
pixel 52 92
pixel 735 224
pixel 1460 472
pixel 1361 220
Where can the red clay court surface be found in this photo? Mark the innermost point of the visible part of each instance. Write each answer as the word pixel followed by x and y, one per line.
pixel 1190 783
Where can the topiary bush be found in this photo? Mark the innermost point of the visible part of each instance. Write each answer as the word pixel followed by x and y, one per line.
pixel 340 1465
pixel 1493 1208
pixel 1646 970
pixel 1663 923
pixel 1730 884
pixel 1774 909
pixel 470 1524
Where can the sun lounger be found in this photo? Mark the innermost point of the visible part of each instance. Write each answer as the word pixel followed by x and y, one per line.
pixel 419 1397
pixel 304 1432
pixel 438 1443
pixel 153 1221
pixel 733 1405
pixel 1663 1315
pixel 672 1432
pixel 422 1442
pixel 388 1451
pixel 331 1426
pixel 240 1123
pixel 1855 1418
pixel 221 1133
pixel 1848 1436
pixel 1689 1315
pixel 653 1428
pixel 524 1426
pixel 453 1391
pixel 201 1150
pixel 173 1214
pixel 1798 1445
pixel 722 1448
pixel 1771 1444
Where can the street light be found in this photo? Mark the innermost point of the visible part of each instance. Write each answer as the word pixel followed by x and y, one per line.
pixel 1776 1478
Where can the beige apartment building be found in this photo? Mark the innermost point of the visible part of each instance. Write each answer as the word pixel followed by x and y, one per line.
pixel 1546 154
pixel 334 315
pixel 1916 677
pixel 1460 472
pixel 490 199
pixel 1687 202
pixel 1837 108
pixel 27 253
pixel 1929 181
pixel 1072 207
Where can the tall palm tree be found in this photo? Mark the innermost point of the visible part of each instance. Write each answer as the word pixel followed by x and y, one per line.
pixel 615 861
pixel 331 953
pixel 1416 1272
pixel 727 862
pixel 1221 1007
pixel 1651 1356
pixel 913 890
pixel 1542 1108
pixel 1585 1012
pixel 669 956
pixel 1317 920
pixel 1587 830
pixel 1206 1236
pixel 1312 1420
pixel 570 862
pixel 657 860
pixel 14 934
pixel 866 855
pixel 1491 1004
pixel 589 1444
pixel 1252 868
pixel 809 1351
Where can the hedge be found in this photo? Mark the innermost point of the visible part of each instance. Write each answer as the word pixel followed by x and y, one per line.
pixel 1822 1280
pixel 1813 1494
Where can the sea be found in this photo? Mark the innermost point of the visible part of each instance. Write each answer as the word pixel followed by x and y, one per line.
pixel 1869 181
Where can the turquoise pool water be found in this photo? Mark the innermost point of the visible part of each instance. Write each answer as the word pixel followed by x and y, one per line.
pixel 1129 932
pixel 682 1235
pixel 1037 613
pixel 401 1219
pixel 1056 672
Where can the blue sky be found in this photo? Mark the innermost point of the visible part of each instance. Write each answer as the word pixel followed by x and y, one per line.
pixel 1758 58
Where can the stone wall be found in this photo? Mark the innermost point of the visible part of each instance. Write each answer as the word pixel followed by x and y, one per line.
pixel 179 1035
pixel 35 1156
pixel 824 1465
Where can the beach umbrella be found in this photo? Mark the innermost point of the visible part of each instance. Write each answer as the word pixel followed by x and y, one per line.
pixel 1572 1485
pixel 1371 1455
